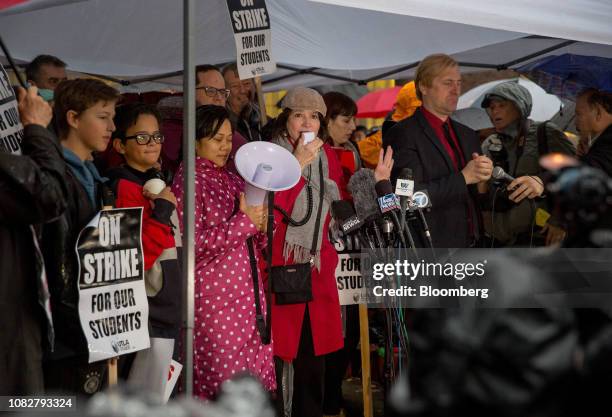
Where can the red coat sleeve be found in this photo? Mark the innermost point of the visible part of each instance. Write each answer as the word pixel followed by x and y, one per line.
pixel 156 236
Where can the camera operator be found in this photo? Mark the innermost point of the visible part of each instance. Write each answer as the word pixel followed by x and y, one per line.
pixel 516 147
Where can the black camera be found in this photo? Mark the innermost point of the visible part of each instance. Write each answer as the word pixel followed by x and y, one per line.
pixel 582 197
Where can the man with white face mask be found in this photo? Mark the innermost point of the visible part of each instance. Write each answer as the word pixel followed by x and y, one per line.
pixel 46 72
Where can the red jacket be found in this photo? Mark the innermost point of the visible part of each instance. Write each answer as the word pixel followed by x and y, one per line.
pixel 324 309
pixel 162 273
pixel 156 236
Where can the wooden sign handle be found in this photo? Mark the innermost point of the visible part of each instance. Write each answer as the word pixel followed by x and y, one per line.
pixel 112 372
pixel 366 379
pixel 262 102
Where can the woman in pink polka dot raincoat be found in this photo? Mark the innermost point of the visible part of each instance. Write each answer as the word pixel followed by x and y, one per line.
pixel 226 340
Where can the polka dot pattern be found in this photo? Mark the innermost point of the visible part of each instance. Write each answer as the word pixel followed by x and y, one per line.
pixel 226 340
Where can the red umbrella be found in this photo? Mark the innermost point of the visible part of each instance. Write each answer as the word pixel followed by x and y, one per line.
pixel 377 103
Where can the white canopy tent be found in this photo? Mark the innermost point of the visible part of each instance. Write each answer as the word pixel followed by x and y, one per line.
pixel 581 20
pixel 314 43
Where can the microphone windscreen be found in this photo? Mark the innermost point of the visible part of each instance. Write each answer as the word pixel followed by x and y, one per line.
pixel 498 173
pixel 362 187
pixel 342 210
pixel 383 187
pixel 405 173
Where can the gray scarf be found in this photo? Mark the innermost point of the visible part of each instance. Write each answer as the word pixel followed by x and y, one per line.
pixel 298 240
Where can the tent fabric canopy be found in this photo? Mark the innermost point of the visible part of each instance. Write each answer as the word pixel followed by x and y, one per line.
pixel 313 43
pixel 581 20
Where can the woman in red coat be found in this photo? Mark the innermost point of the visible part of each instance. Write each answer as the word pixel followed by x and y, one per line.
pixel 304 332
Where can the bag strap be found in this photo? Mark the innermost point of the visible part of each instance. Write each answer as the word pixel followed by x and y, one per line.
pixel 315 239
pixel 260 320
pixel 263 325
pixel 520 146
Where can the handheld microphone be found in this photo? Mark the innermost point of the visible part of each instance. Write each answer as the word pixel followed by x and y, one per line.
pixel 344 213
pixel 404 187
pixel 362 187
pixel 420 201
pixel 387 230
pixel 389 205
pixel 499 174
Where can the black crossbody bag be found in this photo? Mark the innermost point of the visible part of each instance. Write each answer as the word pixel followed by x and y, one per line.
pixel 292 284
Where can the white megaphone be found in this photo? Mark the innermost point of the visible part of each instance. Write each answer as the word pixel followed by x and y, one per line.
pixel 266 167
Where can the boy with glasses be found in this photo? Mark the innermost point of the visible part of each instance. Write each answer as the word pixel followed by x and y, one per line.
pixel 138 139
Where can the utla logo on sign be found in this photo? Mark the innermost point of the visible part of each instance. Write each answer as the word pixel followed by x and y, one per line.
pixel 113 305
pixel 251 26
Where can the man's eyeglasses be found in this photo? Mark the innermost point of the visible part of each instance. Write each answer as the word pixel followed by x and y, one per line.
pixel 145 139
pixel 212 91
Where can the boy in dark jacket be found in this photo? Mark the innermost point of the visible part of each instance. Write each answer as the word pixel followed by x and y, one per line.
pixel 139 140
pixel 84 111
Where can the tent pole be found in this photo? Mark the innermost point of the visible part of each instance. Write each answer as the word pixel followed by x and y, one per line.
pixel 188 269
pixel 537 54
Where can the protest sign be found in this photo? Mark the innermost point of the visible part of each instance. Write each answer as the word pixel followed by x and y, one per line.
pixel 113 306
pixel 251 26
pixel 351 289
pixel 11 129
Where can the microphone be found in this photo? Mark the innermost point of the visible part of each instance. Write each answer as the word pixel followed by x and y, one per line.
pixel 404 187
pixel 387 230
pixel 389 205
pixel 344 213
pixel 500 174
pixel 420 201
pixel 362 187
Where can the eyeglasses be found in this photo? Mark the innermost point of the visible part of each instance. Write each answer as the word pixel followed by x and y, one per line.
pixel 145 139
pixel 212 91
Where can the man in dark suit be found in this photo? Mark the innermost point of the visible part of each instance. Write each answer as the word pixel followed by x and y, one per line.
pixel 594 122
pixel 443 155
